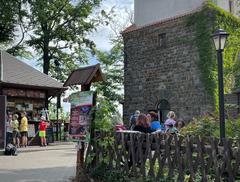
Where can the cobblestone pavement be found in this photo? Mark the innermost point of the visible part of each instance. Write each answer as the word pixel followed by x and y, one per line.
pixel 54 165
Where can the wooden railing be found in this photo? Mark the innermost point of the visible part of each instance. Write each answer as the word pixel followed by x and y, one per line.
pixel 162 155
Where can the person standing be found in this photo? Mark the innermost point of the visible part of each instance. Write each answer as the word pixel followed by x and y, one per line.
pixel 24 129
pixel 171 120
pixel 42 131
pixel 155 124
pixel 133 119
pixel 142 124
pixel 16 134
pixel 9 130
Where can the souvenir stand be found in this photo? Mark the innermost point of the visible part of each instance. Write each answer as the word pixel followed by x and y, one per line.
pixel 26 89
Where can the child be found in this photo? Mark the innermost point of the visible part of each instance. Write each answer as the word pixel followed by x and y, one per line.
pixel 42 131
pixel 170 121
pixel 16 134
pixel 171 129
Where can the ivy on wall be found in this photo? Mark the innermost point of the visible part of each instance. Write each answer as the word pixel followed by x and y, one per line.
pixel 206 22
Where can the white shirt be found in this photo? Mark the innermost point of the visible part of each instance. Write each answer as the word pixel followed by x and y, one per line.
pixel 8 127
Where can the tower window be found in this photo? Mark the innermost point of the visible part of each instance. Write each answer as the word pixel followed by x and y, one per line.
pixel 162 40
pixel 163 108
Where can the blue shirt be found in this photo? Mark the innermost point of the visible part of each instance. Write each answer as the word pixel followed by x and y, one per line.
pixel 155 125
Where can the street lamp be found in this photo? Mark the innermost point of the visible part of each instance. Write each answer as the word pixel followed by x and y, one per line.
pixel 219 38
pixel 57 70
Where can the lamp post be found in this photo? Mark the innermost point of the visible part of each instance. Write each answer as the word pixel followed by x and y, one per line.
pixel 57 69
pixel 219 38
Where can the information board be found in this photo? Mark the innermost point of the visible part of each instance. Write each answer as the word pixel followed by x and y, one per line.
pixel 79 120
pixel 81 98
pixel 81 104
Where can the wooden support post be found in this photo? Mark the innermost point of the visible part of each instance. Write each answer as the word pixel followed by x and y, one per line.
pixel 81 148
pixel 3 104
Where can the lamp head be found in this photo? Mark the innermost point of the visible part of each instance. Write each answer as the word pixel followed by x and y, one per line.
pixel 219 38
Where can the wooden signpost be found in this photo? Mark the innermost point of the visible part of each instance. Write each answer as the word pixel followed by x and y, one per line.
pixel 81 103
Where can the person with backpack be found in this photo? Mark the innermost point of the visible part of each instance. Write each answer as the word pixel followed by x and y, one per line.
pixel 133 119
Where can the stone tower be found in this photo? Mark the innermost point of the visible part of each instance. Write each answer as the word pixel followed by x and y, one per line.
pixel 161 71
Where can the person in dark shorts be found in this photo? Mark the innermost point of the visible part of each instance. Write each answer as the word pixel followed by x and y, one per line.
pixel 16 133
pixel 24 129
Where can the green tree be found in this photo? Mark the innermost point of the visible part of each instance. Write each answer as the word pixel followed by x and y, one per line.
pixel 112 65
pixel 12 26
pixel 8 20
pixel 53 112
pixel 112 62
pixel 57 31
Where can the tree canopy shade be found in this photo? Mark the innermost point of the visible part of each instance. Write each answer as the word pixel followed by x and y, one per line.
pixel 10 16
pixel 57 32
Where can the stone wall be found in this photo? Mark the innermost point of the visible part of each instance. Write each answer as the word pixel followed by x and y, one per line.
pixel 231 105
pixel 153 72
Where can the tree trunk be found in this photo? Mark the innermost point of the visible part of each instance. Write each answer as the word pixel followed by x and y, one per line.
pixel 46 59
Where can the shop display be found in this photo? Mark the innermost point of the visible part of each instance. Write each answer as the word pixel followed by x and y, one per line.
pixel 31 101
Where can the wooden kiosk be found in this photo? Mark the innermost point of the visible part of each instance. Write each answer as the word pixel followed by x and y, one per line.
pixel 26 89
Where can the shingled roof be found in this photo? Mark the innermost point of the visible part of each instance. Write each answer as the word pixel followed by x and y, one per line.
pixel 85 75
pixel 16 72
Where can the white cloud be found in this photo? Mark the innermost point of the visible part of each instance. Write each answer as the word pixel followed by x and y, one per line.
pixel 102 36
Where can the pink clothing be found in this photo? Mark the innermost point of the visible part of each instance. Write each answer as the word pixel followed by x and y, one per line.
pixel 170 122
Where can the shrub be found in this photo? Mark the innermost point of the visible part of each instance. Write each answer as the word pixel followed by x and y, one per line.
pixel 206 125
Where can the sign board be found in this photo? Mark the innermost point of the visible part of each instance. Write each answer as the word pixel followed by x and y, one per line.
pixel 31 130
pixel 80 119
pixel 24 93
pixel 81 98
pixel 3 117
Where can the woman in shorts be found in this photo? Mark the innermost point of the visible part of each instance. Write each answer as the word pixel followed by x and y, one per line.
pixel 42 131
pixel 15 127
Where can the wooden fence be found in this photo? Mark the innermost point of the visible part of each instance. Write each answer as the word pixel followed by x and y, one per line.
pixel 160 156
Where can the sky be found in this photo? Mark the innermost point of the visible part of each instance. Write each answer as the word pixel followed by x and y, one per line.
pixel 101 37
pixel 103 33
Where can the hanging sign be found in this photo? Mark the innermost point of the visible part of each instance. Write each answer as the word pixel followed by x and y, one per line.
pixel 81 104
pixel 81 98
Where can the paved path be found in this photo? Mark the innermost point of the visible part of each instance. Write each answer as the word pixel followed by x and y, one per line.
pixel 54 165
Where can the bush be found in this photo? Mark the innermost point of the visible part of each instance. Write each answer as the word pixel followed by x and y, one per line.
pixel 232 128
pixel 206 125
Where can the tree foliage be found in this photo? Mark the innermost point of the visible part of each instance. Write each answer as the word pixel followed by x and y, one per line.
pixel 8 20
pixel 12 26
pixel 112 65
pixel 57 31
pixel 112 62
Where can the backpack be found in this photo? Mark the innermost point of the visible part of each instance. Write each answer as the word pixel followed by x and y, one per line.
pixel 10 149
